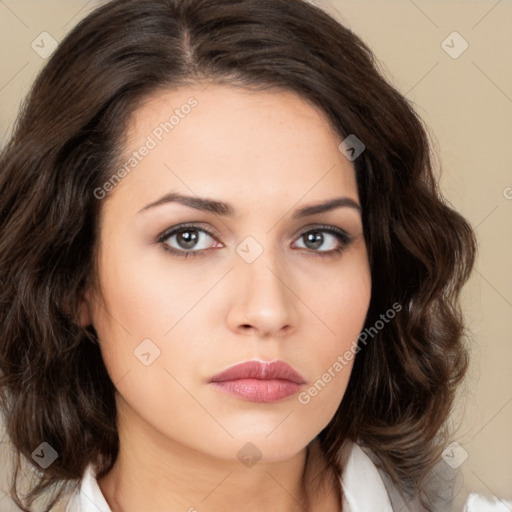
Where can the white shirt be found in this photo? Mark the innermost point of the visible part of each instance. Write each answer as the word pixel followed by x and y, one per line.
pixel 363 488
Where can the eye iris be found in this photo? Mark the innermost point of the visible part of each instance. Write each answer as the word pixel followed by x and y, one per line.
pixel 314 239
pixel 187 239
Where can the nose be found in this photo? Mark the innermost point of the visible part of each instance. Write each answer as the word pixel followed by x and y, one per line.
pixel 264 303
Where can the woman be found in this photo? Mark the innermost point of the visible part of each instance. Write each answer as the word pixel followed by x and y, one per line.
pixel 228 275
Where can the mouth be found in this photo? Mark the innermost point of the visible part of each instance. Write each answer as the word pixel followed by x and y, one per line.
pixel 255 381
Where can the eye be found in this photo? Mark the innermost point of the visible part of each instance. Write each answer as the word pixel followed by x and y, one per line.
pixel 186 240
pixel 335 241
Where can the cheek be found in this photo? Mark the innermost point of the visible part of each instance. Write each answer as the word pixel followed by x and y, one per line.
pixel 151 307
pixel 343 302
pixel 342 307
pixel 139 301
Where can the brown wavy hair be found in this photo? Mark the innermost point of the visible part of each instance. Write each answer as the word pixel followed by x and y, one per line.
pixel 68 138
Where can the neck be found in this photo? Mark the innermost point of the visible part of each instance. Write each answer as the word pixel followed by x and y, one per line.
pixel 155 473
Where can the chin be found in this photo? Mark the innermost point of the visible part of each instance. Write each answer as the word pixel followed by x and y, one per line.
pixel 262 446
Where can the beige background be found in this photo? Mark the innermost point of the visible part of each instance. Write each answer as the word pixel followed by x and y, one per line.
pixel 467 104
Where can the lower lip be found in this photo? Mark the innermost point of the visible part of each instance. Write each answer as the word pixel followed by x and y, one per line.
pixel 256 390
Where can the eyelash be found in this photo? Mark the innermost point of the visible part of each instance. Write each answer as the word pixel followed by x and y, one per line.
pixel 341 235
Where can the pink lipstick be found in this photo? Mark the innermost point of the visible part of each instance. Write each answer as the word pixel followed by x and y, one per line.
pixel 255 381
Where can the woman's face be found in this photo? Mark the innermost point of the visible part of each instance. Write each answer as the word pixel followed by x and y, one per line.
pixel 261 282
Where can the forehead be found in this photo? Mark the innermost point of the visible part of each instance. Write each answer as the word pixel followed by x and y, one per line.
pixel 222 141
pixel 273 102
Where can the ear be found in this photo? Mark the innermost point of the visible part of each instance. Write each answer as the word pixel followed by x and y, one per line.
pixel 85 310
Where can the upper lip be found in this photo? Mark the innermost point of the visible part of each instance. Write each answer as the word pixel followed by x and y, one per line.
pixel 259 370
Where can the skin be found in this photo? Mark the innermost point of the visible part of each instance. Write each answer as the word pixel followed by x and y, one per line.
pixel 266 154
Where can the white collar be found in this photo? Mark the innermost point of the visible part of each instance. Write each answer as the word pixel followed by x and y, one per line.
pixel 363 488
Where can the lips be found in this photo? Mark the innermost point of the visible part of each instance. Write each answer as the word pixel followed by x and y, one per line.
pixel 261 371
pixel 255 381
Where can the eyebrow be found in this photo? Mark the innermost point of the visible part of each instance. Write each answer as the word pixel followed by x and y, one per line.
pixel 224 209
